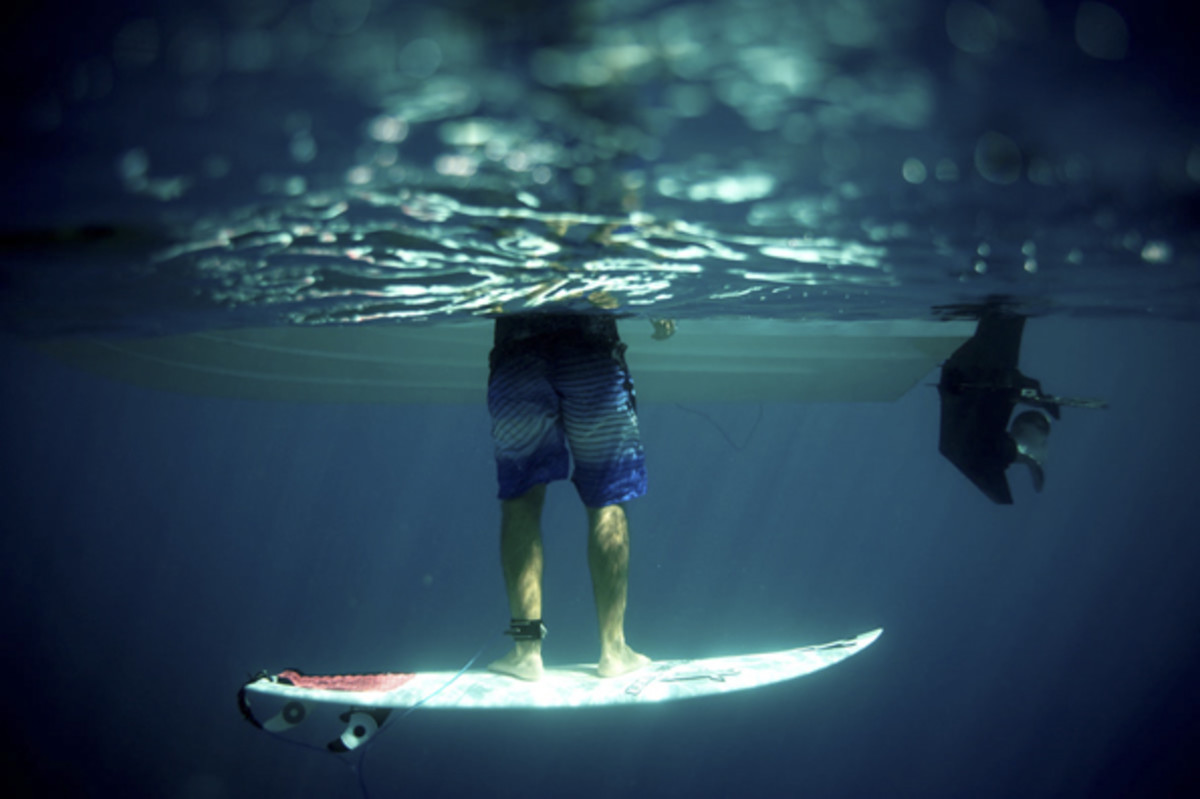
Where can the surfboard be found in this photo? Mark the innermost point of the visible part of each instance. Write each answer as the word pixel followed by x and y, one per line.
pixel 341 712
pixel 707 360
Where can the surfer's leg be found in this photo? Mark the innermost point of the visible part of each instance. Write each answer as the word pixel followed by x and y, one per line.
pixel 521 560
pixel 599 409
pixel 608 559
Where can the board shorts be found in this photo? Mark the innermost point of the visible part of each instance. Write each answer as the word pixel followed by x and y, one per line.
pixel 559 389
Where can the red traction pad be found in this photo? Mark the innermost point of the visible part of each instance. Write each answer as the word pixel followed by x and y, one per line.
pixel 346 682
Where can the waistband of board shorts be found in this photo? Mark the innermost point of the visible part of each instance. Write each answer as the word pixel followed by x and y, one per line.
pixel 516 328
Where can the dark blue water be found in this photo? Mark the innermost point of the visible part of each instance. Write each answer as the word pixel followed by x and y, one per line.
pixel 158 549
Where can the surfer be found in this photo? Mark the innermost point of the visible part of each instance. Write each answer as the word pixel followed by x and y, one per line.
pixel 558 389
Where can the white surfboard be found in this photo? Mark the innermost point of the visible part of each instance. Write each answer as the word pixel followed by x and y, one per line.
pixel 341 712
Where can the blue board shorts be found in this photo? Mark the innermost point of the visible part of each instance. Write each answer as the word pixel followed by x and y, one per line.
pixel 559 389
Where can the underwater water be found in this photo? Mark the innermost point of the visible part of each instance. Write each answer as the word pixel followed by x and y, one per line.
pixel 175 167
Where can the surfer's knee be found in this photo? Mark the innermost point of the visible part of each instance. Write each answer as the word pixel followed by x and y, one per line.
pixel 608 532
pixel 608 517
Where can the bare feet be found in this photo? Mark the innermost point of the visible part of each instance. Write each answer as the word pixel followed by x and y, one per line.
pixel 621 660
pixel 522 663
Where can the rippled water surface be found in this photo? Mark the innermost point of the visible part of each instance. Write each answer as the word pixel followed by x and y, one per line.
pixel 349 161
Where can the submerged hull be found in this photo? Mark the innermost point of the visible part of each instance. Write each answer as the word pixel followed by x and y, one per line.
pixel 714 360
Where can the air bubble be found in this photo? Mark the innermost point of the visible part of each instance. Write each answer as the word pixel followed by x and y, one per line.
pixel 134 164
pixel 971 27
pixel 1157 252
pixel 1100 31
pixel 913 170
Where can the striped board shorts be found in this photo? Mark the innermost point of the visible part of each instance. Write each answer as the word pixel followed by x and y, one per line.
pixel 559 389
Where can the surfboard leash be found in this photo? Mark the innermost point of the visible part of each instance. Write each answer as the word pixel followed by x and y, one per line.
pixel 358 768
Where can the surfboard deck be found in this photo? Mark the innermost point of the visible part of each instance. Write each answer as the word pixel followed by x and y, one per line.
pixel 707 360
pixel 342 711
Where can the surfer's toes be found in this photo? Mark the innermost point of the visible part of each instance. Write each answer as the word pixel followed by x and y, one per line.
pixel 523 667
pixel 621 662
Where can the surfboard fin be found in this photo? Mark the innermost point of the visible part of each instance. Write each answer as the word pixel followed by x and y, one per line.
pixel 361 726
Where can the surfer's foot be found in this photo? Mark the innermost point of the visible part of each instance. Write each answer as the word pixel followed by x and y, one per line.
pixel 524 664
pixel 620 660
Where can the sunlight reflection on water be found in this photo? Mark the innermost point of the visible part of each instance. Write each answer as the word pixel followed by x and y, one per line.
pixel 702 158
